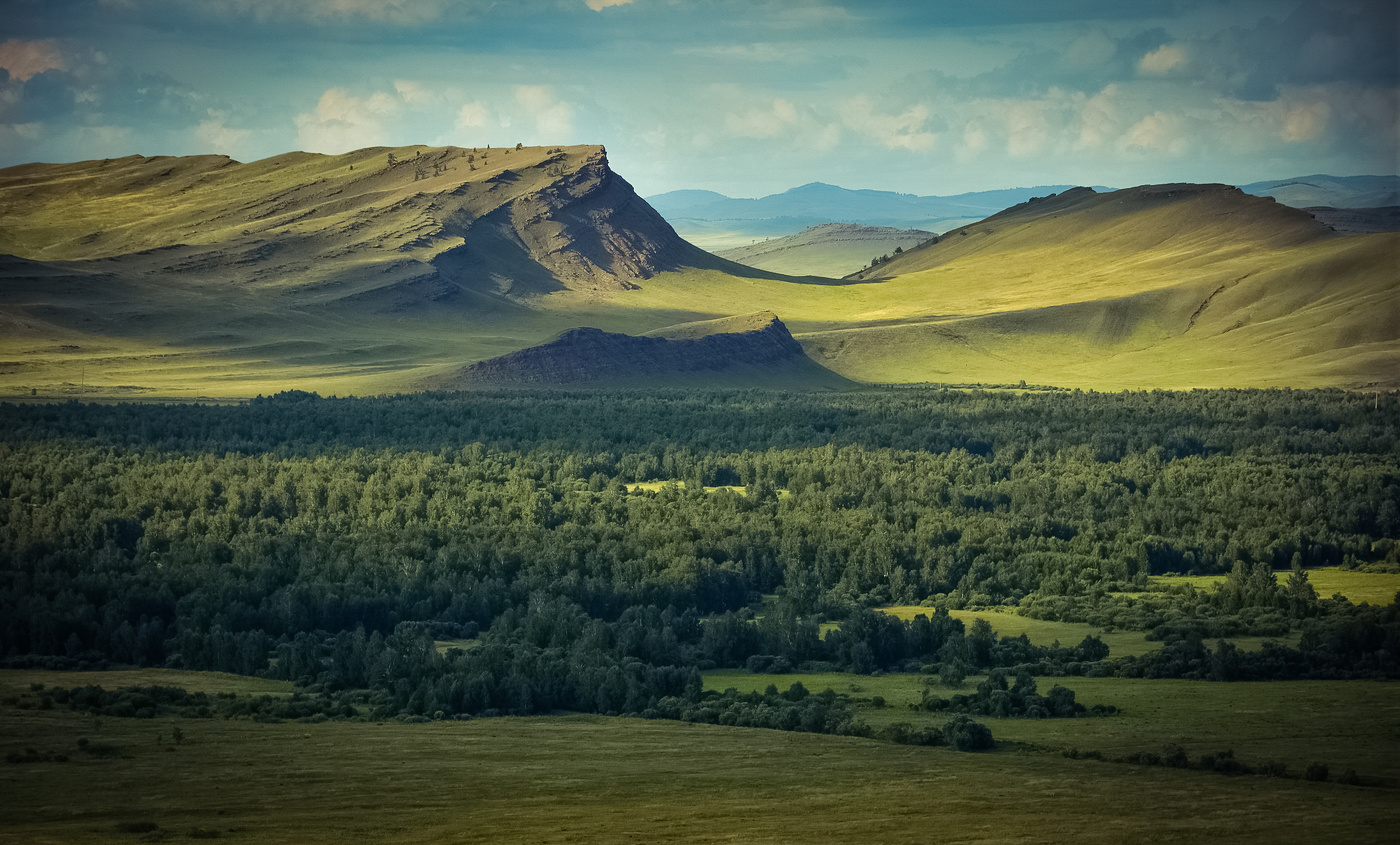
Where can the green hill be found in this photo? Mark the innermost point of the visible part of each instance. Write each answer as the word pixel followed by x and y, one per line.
pixel 393 269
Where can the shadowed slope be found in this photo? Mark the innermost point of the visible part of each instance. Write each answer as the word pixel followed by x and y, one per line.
pixel 737 351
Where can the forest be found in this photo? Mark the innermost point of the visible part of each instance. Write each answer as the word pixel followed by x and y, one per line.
pixel 448 555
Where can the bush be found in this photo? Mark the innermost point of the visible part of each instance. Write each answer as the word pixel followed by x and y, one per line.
pixel 966 735
pixel 1315 771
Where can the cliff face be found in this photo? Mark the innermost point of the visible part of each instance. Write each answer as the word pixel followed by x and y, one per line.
pixel 589 227
pixel 593 356
pixel 377 229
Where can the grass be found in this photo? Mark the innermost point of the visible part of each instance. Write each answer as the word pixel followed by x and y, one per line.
pixel 1007 623
pixel 833 250
pixel 1377 588
pixel 594 779
pixel 655 486
pixel 1343 724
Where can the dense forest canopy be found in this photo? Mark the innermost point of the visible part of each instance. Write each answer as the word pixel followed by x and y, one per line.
pixel 332 541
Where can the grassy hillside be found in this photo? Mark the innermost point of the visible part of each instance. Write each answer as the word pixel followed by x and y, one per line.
pixel 346 274
pixel 1177 286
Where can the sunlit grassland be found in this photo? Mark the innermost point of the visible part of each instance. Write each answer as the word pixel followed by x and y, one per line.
pixel 1081 315
pixel 1342 724
pixel 1377 588
pixel 595 779
pixel 1007 623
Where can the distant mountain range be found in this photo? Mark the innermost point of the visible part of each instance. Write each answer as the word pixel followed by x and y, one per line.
pixel 1333 191
pixel 718 222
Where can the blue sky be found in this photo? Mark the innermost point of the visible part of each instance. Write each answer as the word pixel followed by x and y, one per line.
pixel 745 97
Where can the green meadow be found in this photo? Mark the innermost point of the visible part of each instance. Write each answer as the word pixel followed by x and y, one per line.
pixel 1341 724
pixel 559 779
pixel 1378 588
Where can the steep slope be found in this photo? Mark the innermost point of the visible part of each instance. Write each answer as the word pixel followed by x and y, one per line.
pixel 756 350
pixel 161 273
pixel 830 249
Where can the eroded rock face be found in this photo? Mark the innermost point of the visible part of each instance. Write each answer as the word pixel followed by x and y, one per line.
pixel 590 227
pixel 588 355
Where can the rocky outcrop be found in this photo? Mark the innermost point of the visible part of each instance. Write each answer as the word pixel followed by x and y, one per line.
pixel 593 356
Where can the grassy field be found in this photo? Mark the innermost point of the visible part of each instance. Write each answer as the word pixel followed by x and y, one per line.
pixel 1343 724
pixel 593 779
pixel 1007 623
pixel 1369 587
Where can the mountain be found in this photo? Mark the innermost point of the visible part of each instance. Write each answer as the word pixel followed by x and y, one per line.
pixel 1334 191
pixel 755 350
pixel 829 249
pixel 386 270
pixel 719 222
pixel 150 274
pixel 1358 220
pixel 1155 286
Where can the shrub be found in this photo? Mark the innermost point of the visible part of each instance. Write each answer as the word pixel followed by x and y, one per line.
pixel 966 735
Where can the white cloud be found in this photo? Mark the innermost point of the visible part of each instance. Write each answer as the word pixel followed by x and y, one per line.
pixel 215 137
pixel 1164 59
pixel 393 12
pixel 554 119
pixel 1158 133
pixel 473 115
pixel 600 5
pixel 342 122
pixel 24 59
pixel 1305 121
pixel 412 92
pixel 894 131
pixel 763 121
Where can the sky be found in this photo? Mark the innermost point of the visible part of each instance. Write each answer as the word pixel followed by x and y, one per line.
pixel 743 97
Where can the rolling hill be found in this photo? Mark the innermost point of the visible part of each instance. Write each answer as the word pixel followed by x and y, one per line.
pixel 718 222
pixel 394 269
pixel 829 249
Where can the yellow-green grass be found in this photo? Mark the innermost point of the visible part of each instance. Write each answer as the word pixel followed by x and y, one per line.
pixel 655 486
pixel 1342 724
pixel 832 250
pixel 1370 587
pixel 1008 623
pixel 1081 318
pixel 594 779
